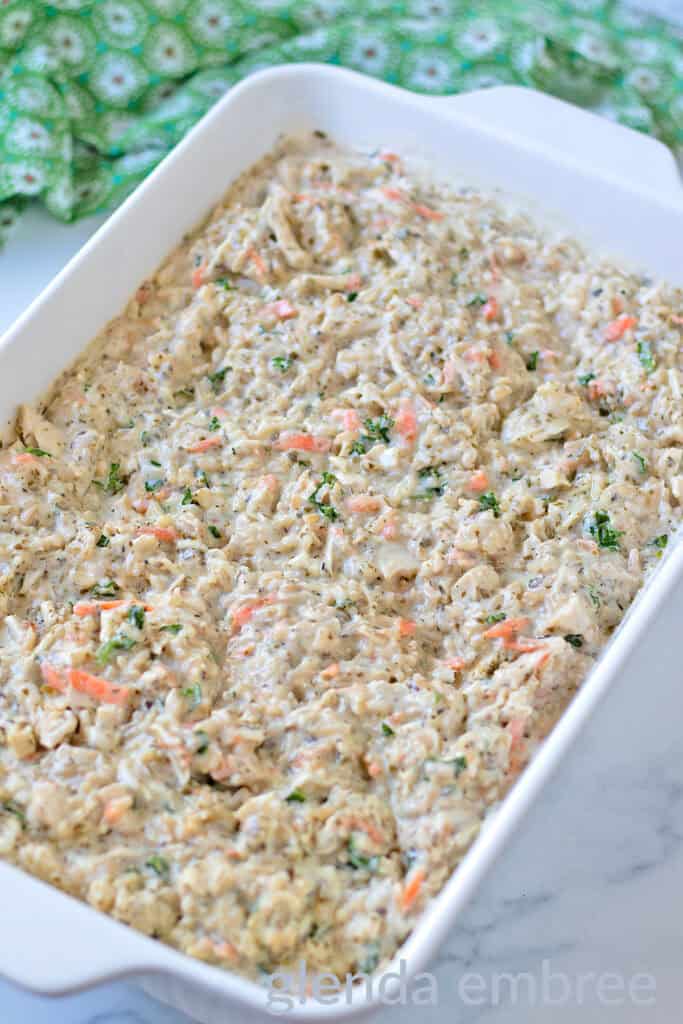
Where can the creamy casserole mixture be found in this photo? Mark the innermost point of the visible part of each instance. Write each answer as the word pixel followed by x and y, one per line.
pixel 309 551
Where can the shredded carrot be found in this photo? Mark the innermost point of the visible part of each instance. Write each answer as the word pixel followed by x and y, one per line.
pixel 395 193
pixel 98 689
pixel 282 309
pixel 522 645
pixel 390 158
pixel 677 320
pixel 140 505
pixel 331 671
pixel 370 830
pixel 495 269
pixel 618 327
pixel 240 616
pixel 494 359
pixel 302 443
pixel 426 212
pixel 24 458
pixel 51 677
pixel 349 418
pixel 258 261
pixel 353 282
pixel 412 888
pixel 406 627
pixel 415 301
pixel 364 503
pixel 406 421
pixel 507 628
pixel 478 482
pixel 115 809
pixel 167 534
pixel 490 310
pixel 617 304
pixel 206 444
pixel 600 388
pixel 270 482
pixel 198 277
pixel 374 769
pixel 456 664
pixel 475 355
pixel 83 608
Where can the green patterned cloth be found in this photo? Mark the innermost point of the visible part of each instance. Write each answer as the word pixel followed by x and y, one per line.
pixel 93 93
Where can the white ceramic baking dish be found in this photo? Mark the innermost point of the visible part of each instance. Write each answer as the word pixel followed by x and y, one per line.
pixel 617 188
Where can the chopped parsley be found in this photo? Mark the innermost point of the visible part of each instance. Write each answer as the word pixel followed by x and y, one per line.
pixel 352 296
pixel 39 452
pixel 477 300
pixel 387 730
pixel 586 378
pixel 495 617
pixel 510 337
pixel 159 865
pixel 489 503
pixel 187 498
pixel 152 486
pixel 193 694
pixel 575 639
pixel 120 642
pixel 428 492
pixel 647 359
pixel 12 808
pixel 324 507
pixel 661 541
pixel 356 860
pixel 641 461
pixel 114 482
pixel 204 741
pixel 214 531
pixel 173 627
pixel 105 588
pixel 603 531
pixel 459 764
pixel 282 363
pixel 136 615
pixel 296 797
pixel 186 392
pixel 102 541
pixel 222 282
pixel 375 430
pixel 217 378
pixel 214 424
pixel 532 361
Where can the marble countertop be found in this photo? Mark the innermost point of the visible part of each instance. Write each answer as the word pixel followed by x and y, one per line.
pixel 587 893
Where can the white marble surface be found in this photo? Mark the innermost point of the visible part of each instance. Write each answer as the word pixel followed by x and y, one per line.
pixel 592 883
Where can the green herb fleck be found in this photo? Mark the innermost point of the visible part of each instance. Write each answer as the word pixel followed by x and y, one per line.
pixel 647 359
pixel 222 282
pixel 204 741
pixel 358 860
pixel 136 615
pixel 39 452
pixel 105 588
pixel 387 730
pixel 102 542
pixel 489 503
pixel 217 378
pixel 173 627
pixel 510 337
pixel 152 486
pixel 186 392
pixel 459 764
pixel 324 507
pixel 477 300
pixel 114 482
pixel 575 639
pixel 585 379
pixel 12 808
pixel 194 695
pixel 375 430
pixel 214 424
pixel 106 652
pixel 603 532
pixel 641 461
pixel 495 617
pixel 159 865
pixel 661 541
pixel 282 363
pixel 532 361
pixel 214 531
pixel 187 498
pixel 352 296
pixel 296 797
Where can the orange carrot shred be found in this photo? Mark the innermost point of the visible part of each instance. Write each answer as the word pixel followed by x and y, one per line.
pixel 478 482
pixel 51 677
pixel 406 421
pixel 302 443
pixel 98 689
pixel 412 888
pixel 167 534
pixel 490 310
pixel 198 277
pixel 617 329
pixel 507 628
pixel 406 627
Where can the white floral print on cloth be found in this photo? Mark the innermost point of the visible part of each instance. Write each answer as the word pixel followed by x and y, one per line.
pixel 93 93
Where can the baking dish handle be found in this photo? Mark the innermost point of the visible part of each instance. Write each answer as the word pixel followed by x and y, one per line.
pixel 579 137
